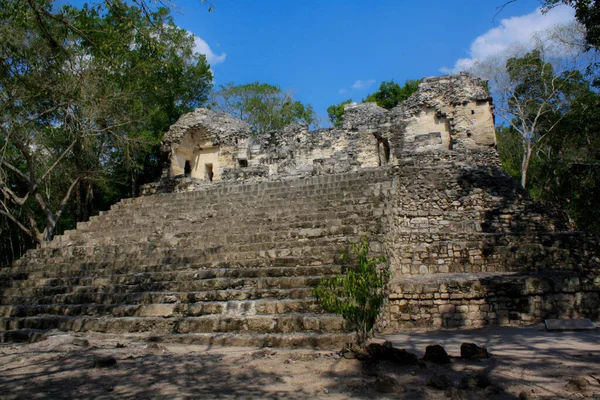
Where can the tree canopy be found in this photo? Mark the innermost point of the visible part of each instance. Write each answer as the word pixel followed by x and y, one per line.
pixel 336 112
pixel 85 95
pixel 265 107
pixel 552 143
pixel 390 94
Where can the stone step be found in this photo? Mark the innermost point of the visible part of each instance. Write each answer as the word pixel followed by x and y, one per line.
pixel 256 259
pixel 349 193
pixel 136 254
pixel 223 223
pixel 160 297
pixel 317 341
pixel 104 285
pixel 209 236
pixel 272 323
pixel 231 308
pixel 107 276
pixel 233 263
pixel 353 197
pixel 230 190
pixel 150 264
pixel 322 341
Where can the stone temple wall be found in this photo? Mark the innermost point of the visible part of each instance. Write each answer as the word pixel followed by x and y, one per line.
pixel 466 246
pixel 473 302
pixel 446 113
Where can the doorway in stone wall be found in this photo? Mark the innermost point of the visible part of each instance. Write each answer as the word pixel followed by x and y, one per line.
pixel 383 151
pixel 187 169
pixel 209 171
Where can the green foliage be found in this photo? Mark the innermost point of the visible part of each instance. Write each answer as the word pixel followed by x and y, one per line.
pixel 390 94
pixel 265 107
pixel 536 92
pixel 336 112
pixel 556 123
pixel 357 294
pixel 510 149
pixel 85 95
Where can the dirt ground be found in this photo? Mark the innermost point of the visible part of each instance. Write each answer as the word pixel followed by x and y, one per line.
pixel 526 363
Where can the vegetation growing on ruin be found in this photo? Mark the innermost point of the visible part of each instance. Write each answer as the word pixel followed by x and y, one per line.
pixel 336 112
pixel 265 107
pixel 388 96
pixel 357 294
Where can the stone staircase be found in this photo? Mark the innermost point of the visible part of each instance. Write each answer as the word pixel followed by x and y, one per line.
pixel 233 264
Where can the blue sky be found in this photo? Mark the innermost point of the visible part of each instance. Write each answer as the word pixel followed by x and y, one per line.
pixel 327 51
pixel 330 50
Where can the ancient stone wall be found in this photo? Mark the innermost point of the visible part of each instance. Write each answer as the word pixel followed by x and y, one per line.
pixel 204 147
pixel 460 233
pixel 472 301
pixel 448 112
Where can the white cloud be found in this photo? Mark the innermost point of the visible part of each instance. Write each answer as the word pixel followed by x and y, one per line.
pixel 359 84
pixel 200 46
pixel 515 31
pixel 343 91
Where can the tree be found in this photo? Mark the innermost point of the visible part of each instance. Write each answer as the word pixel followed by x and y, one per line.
pixel 531 97
pixel 336 112
pixel 84 97
pixel 510 148
pixel 567 167
pixel 357 294
pixel 390 94
pixel 265 107
pixel 587 12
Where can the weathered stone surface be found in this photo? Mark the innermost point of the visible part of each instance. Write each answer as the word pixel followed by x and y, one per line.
pixel 205 125
pixel 436 354
pixel 470 351
pixel 445 113
pixel 387 351
pixel 364 116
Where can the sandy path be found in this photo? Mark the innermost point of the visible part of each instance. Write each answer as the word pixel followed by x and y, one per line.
pixel 528 362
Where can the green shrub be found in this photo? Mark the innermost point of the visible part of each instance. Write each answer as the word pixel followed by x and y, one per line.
pixel 357 294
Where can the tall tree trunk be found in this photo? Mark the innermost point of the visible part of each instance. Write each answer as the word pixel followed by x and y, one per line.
pixel 78 203
pixel 525 164
pixel 89 196
pixel 133 182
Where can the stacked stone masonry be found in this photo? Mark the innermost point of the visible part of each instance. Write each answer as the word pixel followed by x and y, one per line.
pixel 227 246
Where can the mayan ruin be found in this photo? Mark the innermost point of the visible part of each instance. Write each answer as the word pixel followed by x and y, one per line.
pixel 226 247
pixel 211 199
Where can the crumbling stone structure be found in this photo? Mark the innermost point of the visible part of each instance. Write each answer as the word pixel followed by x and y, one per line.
pixel 453 112
pixel 246 225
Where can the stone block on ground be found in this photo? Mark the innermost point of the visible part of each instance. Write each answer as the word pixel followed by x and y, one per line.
pixel 470 351
pixel 436 354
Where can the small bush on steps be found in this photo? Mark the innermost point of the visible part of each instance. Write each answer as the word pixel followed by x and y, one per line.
pixel 357 294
